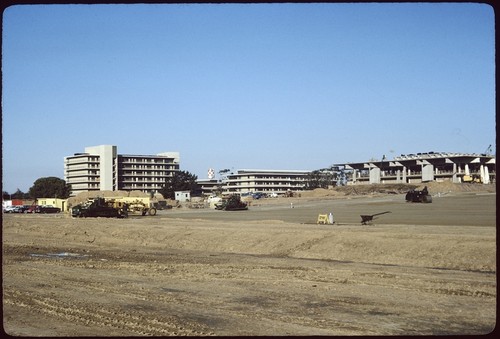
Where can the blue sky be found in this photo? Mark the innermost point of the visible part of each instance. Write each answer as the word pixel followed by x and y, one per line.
pixel 271 86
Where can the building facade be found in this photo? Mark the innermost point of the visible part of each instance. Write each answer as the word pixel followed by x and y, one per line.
pixel 101 168
pixel 264 181
pixel 423 167
pixel 209 186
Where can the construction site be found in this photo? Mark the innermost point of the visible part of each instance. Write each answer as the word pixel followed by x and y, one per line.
pixel 271 269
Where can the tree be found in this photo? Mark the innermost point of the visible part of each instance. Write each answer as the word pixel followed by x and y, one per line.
pixel 313 180
pixel 50 187
pixel 223 173
pixel 319 179
pixel 180 181
pixel 17 195
pixel 5 195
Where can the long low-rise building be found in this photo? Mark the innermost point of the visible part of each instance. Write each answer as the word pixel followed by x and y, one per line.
pixel 264 181
pixel 101 168
pixel 421 168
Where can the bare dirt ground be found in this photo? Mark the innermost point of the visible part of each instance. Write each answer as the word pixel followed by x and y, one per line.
pixel 423 269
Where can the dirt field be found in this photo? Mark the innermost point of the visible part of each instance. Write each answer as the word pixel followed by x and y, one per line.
pixel 422 269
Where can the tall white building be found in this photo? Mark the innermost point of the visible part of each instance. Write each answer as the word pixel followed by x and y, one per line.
pixel 101 168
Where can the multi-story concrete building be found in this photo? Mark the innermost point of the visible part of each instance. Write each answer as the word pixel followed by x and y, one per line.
pixel 423 167
pixel 264 181
pixel 208 186
pixel 101 168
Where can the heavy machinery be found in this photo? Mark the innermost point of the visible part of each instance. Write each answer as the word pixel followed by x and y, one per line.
pixel 135 207
pixel 98 207
pixel 472 179
pixel 419 196
pixel 232 203
pixel 112 208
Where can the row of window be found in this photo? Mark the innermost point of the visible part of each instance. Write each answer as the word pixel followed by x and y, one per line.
pixel 161 170
pixel 80 160
pixel 136 179
pixel 145 160
pixel 140 187
pixel 262 177
pixel 278 186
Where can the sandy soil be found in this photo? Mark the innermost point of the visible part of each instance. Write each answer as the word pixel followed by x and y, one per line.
pixel 423 269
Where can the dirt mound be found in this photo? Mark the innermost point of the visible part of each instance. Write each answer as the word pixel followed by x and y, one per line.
pixel 371 189
pixel 359 190
pixel 447 186
pixel 376 188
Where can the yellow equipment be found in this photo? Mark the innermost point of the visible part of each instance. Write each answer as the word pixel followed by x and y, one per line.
pixel 472 179
pixel 135 206
pixel 323 219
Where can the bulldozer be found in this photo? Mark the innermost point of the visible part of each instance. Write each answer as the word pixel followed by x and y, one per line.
pixel 98 207
pixel 419 196
pixel 232 203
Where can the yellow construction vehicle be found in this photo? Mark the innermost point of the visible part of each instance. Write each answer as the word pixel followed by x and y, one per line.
pixel 136 206
pixel 474 179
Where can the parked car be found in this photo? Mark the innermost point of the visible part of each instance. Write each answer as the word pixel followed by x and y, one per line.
pixel 10 209
pixel 47 209
pixel 31 209
pixel 22 209
pixel 17 209
pixel 258 195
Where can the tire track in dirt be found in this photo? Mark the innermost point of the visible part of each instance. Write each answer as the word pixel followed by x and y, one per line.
pixel 395 280
pixel 103 317
pixel 471 288
pixel 306 245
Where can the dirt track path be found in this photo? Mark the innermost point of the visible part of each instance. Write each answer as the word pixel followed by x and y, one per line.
pixel 224 294
pixel 169 275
